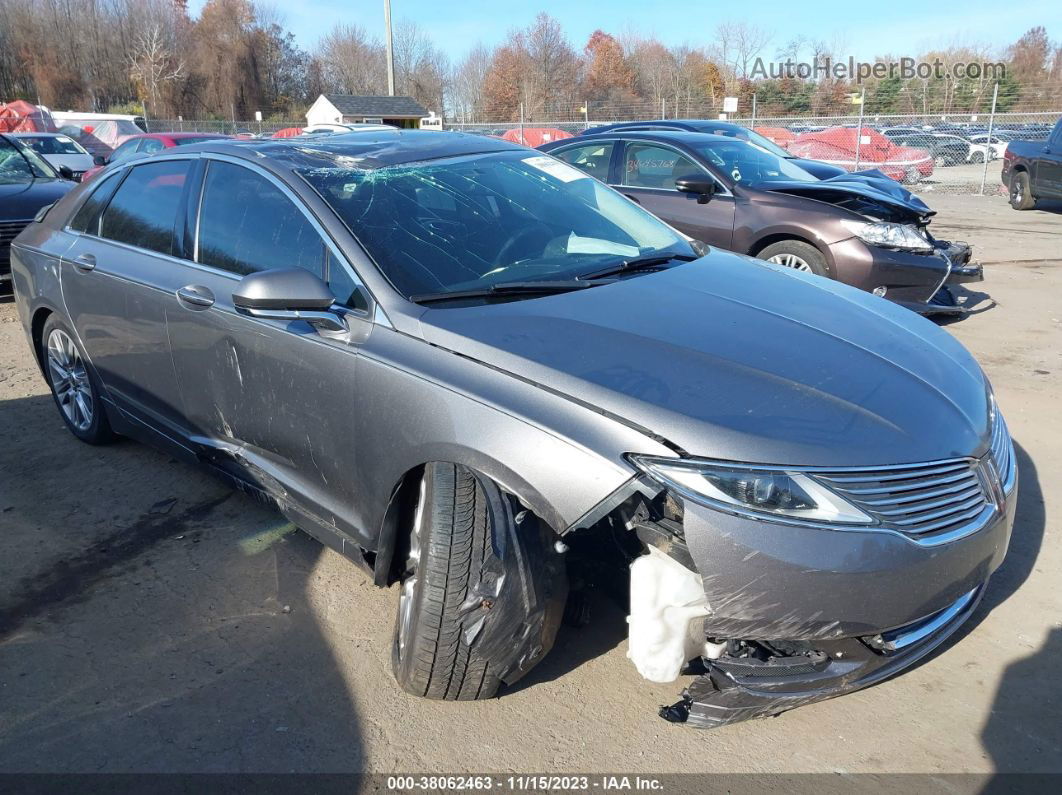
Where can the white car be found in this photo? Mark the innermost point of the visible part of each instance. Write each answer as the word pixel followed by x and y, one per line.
pixel 59 150
pixel 346 128
pixel 980 145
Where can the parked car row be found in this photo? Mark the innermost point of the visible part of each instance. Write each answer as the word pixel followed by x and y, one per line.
pixel 515 369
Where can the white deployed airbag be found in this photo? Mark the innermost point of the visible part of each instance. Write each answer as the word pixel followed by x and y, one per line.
pixel 666 597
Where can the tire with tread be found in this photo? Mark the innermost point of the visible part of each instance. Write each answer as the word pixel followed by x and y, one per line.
pixel 99 431
pixel 807 252
pixel 455 539
pixel 1021 197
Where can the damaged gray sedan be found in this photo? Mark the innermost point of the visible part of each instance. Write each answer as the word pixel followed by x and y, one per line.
pixel 463 364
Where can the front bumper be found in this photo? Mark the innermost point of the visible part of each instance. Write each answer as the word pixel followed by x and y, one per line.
pixel 730 693
pixel 866 604
pixel 911 279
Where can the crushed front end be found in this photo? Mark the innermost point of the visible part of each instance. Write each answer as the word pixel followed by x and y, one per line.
pixel 789 612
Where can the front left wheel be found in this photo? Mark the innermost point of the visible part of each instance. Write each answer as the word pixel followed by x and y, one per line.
pixel 73 385
pixel 482 589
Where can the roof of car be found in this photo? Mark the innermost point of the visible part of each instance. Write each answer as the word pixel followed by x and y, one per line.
pixel 363 150
pixel 21 134
pixel 176 135
pixel 679 136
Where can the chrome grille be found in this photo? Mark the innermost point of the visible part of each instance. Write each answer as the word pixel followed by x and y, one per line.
pixel 919 499
pixel 1003 452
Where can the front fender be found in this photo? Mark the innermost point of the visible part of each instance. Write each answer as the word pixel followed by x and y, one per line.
pixel 420 403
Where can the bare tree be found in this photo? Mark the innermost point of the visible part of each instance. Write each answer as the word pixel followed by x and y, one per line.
pixel 353 63
pixel 152 64
pixel 468 84
pixel 420 67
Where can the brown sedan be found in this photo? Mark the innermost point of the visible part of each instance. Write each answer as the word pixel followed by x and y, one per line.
pixel 861 229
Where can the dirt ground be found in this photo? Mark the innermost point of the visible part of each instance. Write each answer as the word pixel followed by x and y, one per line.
pixel 152 620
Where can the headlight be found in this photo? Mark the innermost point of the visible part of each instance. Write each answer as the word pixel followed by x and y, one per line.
pixel 905 236
pixel 753 491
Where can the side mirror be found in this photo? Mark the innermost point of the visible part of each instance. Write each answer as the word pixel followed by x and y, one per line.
pixel 288 294
pixel 703 187
pixel 99 160
pixel 66 173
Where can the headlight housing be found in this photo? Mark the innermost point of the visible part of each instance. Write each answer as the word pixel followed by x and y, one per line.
pixel 902 236
pixel 756 492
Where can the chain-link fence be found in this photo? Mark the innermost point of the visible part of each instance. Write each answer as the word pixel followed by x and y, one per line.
pixel 952 152
pixel 222 126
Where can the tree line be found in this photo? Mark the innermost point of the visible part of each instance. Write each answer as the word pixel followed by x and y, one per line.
pixel 236 58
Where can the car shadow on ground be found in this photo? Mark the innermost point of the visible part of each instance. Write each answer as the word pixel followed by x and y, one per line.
pixel 153 620
pixel 1023 733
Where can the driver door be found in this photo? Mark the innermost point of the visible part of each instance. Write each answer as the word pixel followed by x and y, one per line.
pixel 271 401
pixel 647 176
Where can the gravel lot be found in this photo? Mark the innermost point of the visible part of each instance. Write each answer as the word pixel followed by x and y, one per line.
pixel 152 620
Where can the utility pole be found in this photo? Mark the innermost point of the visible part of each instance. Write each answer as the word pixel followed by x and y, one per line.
pixel 859 129
pixel 988 140
pixel 390 50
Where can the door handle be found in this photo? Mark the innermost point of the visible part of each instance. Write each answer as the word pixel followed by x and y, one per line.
pixel 84 262
pixel 196 296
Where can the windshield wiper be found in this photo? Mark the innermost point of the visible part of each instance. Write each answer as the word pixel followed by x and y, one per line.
pixel 507 288
pixel 638 263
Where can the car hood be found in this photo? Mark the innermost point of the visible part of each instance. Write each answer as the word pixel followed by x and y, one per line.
pixel 21 200
pixel 734 358
pixel 855 190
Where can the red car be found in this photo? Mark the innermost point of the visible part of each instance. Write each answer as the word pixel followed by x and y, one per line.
pixel 837 146
pixel 146 144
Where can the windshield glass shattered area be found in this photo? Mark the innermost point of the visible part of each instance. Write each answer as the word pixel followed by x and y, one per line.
pixel 749 165
pixel 474 221
pixel 19 163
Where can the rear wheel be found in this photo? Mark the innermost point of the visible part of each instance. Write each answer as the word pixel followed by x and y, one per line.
pixel 1021 197
pixel 797 255
pixel 472 610
pixel 73 386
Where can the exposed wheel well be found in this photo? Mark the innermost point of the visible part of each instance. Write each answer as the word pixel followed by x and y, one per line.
pixel 40 317
pixel 770 240
pixel 393 546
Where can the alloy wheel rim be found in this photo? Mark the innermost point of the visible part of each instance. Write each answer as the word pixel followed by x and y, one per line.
pixel 409 584
pixel 69 380
pixel 790 261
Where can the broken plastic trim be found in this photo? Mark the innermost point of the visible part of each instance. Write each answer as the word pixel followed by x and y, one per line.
pixel 736 689
pixel 513 611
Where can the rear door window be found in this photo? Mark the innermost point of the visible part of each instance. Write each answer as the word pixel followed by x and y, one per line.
pixel 87 218
pixel 144 209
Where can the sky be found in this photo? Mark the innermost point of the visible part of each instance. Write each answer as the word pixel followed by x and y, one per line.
pixel 855 27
